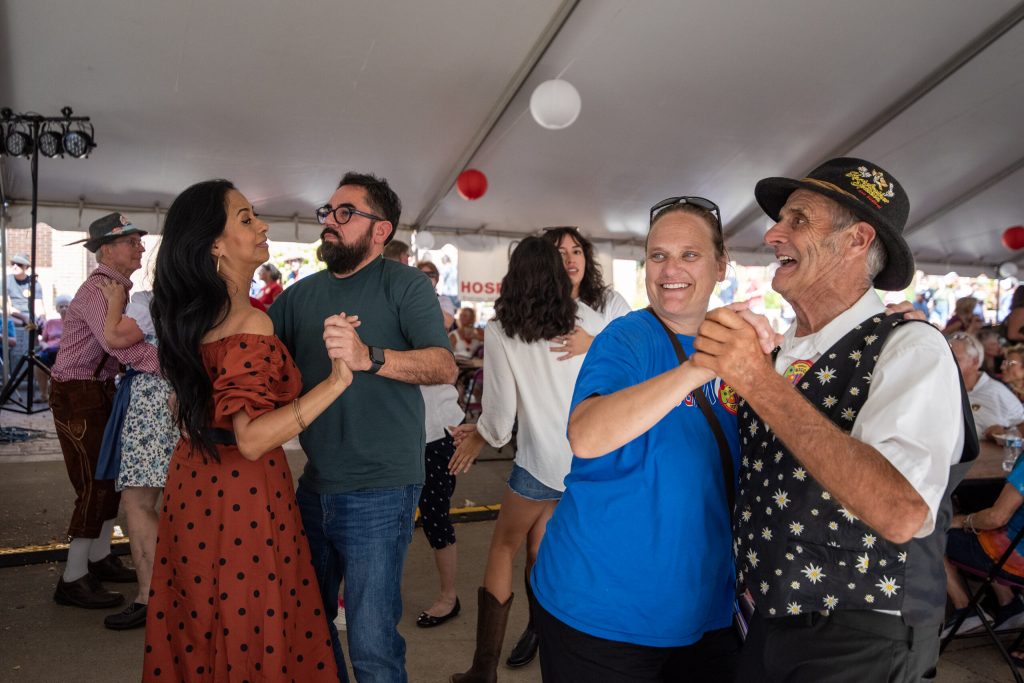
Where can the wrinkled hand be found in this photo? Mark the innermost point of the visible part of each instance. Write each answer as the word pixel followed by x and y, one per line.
pixel 576 343
pixel 768 337
pixel 907 309
pixel 733 349
pixel 466 452
pixel 115 294
pixel 343 342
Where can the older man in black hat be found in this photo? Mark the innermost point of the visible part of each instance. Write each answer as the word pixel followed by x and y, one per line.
pixel 81 398
pixel 851 436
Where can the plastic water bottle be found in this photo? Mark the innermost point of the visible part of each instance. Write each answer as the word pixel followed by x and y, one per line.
pixel 1011 448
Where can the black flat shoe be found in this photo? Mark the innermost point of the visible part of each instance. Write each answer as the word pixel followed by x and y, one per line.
pixel 111 569
pixel 133 616
pixel 525 650
pixel 429 620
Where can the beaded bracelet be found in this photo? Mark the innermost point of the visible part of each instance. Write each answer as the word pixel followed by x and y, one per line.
pixel 298 415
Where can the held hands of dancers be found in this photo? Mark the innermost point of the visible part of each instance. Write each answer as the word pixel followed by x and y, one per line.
pixel 468 444
pixel 734 343
pixel 343 342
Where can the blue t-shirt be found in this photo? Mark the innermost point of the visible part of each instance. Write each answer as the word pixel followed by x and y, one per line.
pixel 1016 479
pixel 639 549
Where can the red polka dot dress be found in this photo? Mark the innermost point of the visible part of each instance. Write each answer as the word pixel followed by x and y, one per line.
pixel 234 595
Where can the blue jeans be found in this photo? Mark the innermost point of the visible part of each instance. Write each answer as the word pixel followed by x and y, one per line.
pixel 361 538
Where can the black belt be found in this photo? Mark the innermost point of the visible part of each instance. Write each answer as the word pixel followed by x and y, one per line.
pixel 888 625
pixel 221 437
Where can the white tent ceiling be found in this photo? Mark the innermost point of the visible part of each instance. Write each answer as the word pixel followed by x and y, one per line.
pixel 697 97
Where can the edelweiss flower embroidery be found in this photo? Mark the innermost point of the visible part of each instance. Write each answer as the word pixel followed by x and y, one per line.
pixel 764 588
pixel 805 386
pixel 825 375
pixel 882 562
pixel 829 401
pixel 830 601
pixel 789 556
pixel 855 355
pixel 867 378
pixel 771 611
pixel 800 474
pixel 870 599
pixel 766 534
pixel 793 608
pixel 796 528
pixel 870 339
pixel 831 356
pixel 746 515
pixel 813 573
pixel 862 563
pixel 848 414
pixel 825 495
pixel 752 558
pixel 781 499
pixel 902 557
pixel 778 572
pixel 795 585
pixel 888 586
pixel 849 516
pixel 753 428
pixel 814 512
pixel 854 391
pixel 778 455
pixel 832 526
pixel 869 540
pixel 758 465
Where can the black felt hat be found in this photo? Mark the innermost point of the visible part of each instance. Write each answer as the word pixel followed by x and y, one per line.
pixel 107 229
pixel 870 192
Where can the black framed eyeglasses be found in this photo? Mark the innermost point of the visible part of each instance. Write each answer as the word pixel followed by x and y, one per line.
pixel 699 202
pixel 342 214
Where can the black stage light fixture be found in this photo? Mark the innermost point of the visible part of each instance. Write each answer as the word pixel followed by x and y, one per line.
pixel 3 140
pixel 78 141
pixel 17 141
pixel 50 141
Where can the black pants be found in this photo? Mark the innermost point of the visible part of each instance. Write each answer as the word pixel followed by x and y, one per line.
pixel 854 645
pixel 569 656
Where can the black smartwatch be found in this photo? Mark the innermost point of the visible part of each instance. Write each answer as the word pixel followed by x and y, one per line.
pixel 376 359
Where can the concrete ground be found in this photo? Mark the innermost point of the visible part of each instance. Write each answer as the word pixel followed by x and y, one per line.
pixel 41 641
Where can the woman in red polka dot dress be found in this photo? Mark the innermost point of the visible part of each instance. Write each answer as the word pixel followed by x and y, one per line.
pixel 234 596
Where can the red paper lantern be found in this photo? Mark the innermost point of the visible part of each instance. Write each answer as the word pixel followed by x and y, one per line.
pixel 1013 237
pixel 472 184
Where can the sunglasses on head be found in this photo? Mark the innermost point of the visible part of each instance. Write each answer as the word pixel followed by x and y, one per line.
pixel 699 202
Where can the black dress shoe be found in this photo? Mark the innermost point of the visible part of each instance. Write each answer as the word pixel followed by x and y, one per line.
pixel 86 592
pixel 132 616
pixel 525 650
pixel 429 621
pixel 111 569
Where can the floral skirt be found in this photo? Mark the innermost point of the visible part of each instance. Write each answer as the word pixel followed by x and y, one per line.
pixel 148 436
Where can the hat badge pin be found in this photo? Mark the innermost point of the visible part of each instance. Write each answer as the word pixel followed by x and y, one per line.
pixel 873 184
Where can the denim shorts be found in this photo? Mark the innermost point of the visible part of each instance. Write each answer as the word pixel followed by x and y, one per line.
pixel 526 485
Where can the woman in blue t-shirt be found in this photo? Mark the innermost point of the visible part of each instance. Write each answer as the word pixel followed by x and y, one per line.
pixel 635 577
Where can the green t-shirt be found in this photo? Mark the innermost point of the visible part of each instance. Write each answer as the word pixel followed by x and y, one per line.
pixel 372 436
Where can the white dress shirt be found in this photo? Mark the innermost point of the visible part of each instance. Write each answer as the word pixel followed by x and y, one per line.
pixel 913 414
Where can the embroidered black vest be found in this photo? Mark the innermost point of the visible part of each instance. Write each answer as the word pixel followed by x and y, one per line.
pixel 797 549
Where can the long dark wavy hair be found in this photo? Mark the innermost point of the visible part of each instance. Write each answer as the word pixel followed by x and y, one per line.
pixel 536 294
pixel 189 299
pixel 593 290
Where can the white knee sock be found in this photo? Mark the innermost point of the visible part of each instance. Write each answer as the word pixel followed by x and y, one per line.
pixel 100 546
pixel 78 556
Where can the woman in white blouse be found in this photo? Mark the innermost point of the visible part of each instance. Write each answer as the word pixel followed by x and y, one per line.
pixel 537 313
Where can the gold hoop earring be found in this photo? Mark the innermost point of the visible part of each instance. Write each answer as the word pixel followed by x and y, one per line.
pixel 218 264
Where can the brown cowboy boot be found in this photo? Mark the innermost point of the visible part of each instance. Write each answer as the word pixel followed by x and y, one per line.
pixel 491 619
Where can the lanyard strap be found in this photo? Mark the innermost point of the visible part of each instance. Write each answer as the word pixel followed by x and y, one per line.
pixel 728 475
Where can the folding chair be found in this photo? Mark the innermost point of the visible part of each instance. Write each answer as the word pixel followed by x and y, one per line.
pixel 987 579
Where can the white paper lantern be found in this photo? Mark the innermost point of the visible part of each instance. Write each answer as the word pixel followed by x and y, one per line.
pixel 424 239
pixel 1008 269
pixel 555 104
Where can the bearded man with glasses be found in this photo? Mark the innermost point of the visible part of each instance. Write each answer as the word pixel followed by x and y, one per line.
pixel 365 471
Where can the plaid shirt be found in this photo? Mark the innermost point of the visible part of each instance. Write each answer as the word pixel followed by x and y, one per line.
pixel 82 344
